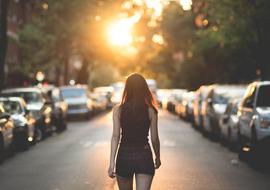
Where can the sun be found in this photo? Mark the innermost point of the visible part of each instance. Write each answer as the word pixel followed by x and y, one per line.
pixel 186 4
pixel 120 32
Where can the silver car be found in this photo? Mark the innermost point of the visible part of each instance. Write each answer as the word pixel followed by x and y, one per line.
pixel 254 120
pixel 78 100
pixel 229 124
pixel 215 105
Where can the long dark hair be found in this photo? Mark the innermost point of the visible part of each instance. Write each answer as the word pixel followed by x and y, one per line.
pixel 136 90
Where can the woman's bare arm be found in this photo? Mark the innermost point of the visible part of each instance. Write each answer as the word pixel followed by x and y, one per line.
pixel 154 136
pixel 114 140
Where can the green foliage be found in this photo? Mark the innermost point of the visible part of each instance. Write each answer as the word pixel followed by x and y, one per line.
pixel 104 74
pixel 232 48
pixel 64 29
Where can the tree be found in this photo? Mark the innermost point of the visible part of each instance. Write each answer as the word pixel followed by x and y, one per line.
pixel 3 40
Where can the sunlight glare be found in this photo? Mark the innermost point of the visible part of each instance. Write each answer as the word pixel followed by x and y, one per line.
pixel 186 4
pixel 158 39
pixel 119 32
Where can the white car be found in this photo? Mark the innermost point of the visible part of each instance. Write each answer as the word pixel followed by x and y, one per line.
pixel 254 120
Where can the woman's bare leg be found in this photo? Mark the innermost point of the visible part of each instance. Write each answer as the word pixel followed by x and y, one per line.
pixel 124 183
pixel 143 181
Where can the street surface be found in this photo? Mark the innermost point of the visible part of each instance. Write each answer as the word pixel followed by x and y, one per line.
pixel 78 159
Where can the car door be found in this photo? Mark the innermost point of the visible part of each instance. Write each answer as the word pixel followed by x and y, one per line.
pixel 247 111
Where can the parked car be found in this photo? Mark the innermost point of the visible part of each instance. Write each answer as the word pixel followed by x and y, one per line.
pixel 185 108
pixel 99 101
pixel 6 132
pixel 107 92
pixel 199 98
pixel 229 123
pixel 152 84
pixel 162 94
pixel 174 98
pixel 24 122
pixel 78 99
pixel 215 105
pixel 254 121
pixel 59 107
pixel 40 107
pixel 118 89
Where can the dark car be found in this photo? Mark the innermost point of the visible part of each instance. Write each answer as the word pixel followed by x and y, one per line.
pixel 38 105
pixel 24 122
pixel 215 105
pixel 6 132
pixel 59 107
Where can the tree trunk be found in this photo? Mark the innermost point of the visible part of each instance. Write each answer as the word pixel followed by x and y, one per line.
pixel 3 40
pixel 83 75
pixel 66 71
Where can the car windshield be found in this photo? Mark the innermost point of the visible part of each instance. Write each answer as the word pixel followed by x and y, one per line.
pixel 74 93
pixel 263 99
pixel 223 95
pixel 29 97
pixel 12 107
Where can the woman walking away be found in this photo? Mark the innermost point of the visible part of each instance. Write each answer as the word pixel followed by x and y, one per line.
pixel 134 117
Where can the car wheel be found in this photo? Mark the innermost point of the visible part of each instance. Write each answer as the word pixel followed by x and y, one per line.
pixel 241 154
pixel 222 139
pixel 2 152
pixel 256 153
pixel 64 125
pixel 25 142
pixel 38 134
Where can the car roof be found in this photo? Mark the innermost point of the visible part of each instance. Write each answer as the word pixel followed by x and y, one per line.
pixel 228 86
pixel 103 88
pixel 26 89
pixel 47 88
pixel 74 87
pixel 15 99
pixel 260 83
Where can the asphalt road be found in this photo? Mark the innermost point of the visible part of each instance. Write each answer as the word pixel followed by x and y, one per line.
pixel 78 159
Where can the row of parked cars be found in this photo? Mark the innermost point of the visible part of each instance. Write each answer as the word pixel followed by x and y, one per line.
pixel 236 115
pixel 28 115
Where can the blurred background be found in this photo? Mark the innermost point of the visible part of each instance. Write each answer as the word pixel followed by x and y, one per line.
pixel 171 41
pixel 63 65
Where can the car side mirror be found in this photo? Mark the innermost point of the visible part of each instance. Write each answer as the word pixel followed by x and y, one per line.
pixel 209 101
pixel 249 103
pixel 26 112
pixel 225 119
pixel 48 102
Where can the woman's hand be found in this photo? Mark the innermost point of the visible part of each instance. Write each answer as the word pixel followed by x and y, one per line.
pixel 111 172
pixel 157 163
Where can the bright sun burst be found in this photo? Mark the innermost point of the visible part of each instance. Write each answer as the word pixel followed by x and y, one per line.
pixel 119 32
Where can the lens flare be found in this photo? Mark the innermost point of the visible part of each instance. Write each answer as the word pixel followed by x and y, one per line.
pixel 186 4
pixel 119 33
